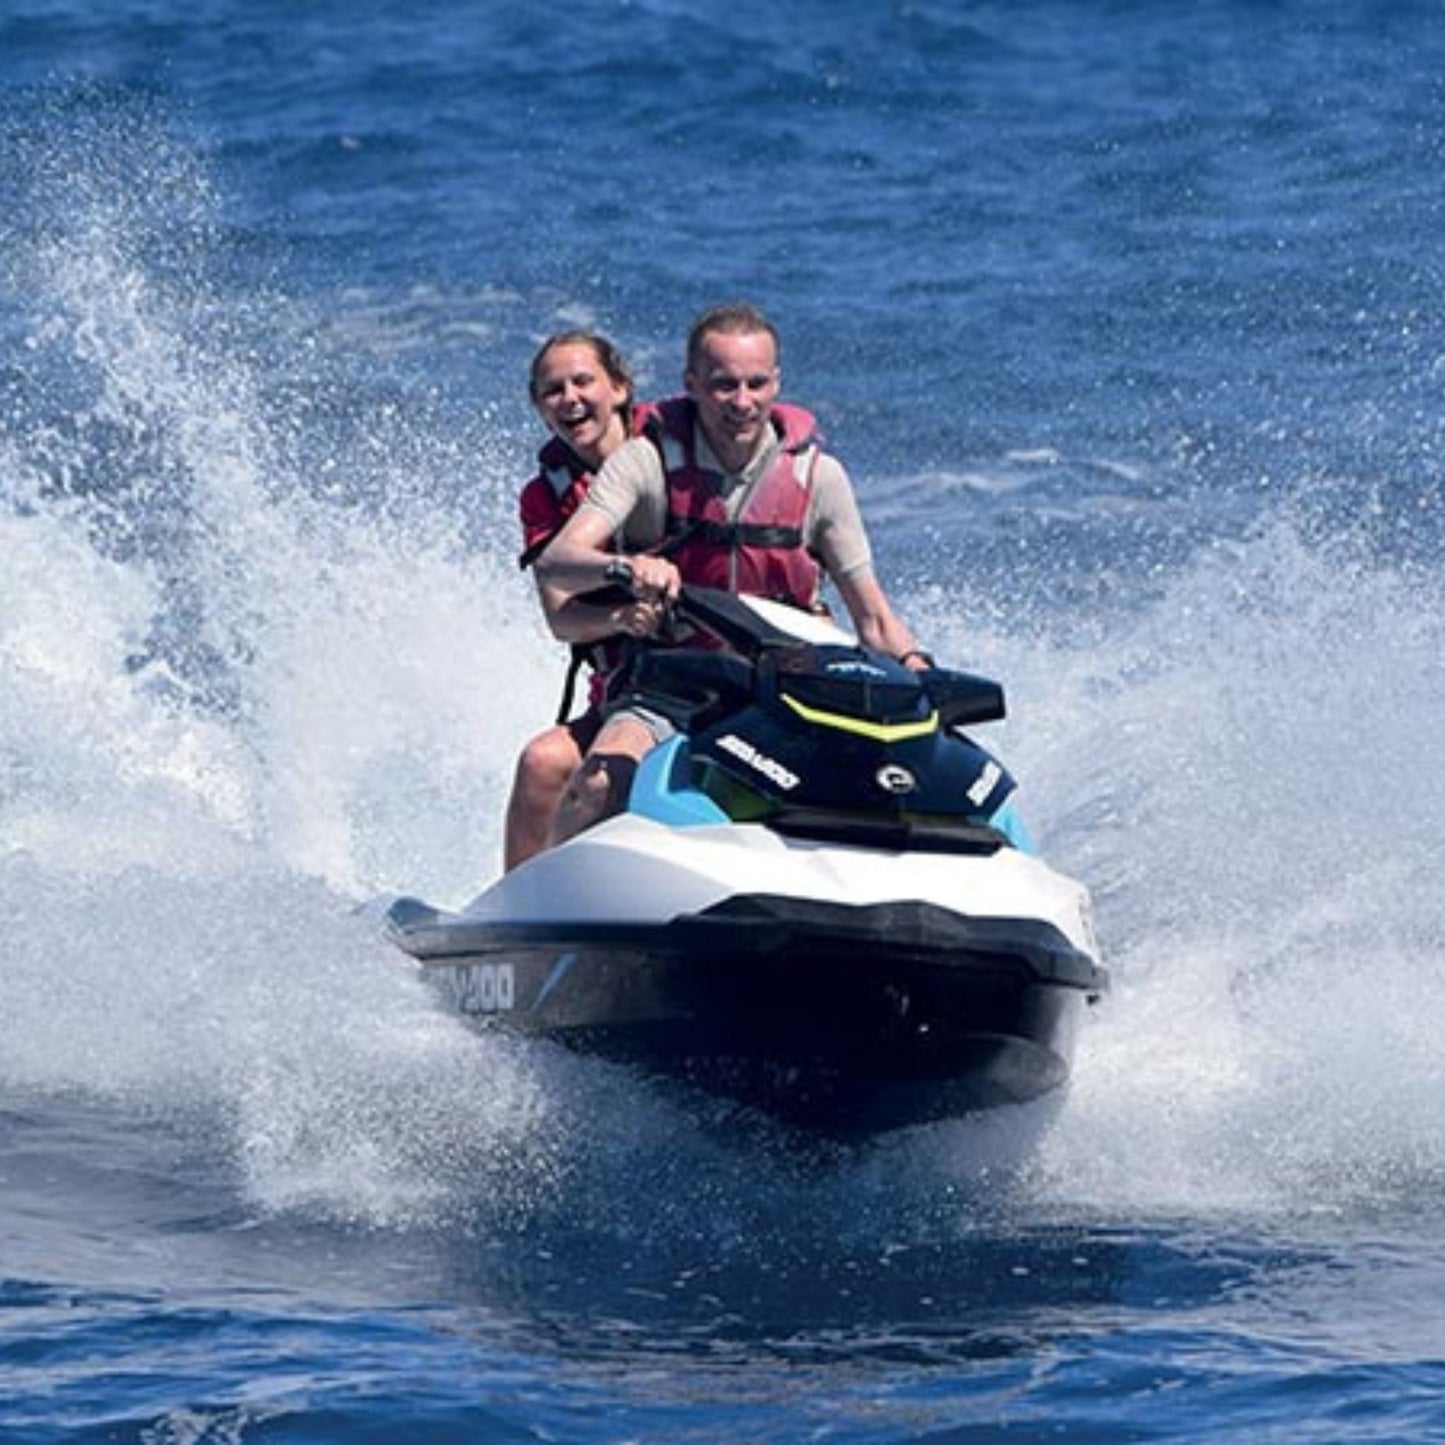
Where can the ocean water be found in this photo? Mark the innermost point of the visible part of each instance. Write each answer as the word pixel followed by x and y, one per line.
pixel 1127 320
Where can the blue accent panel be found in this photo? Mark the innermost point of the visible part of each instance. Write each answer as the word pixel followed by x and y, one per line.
pixel 560 970
pixel 657 793
pixel 1013 827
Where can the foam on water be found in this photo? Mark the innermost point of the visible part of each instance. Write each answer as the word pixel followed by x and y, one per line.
pixel 1261 821
pixel 232 708
pixel 229 712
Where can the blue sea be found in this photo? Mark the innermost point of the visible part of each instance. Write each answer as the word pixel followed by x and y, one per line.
pixel 1128 320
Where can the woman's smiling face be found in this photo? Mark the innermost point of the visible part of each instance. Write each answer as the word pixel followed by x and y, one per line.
pixel 579 401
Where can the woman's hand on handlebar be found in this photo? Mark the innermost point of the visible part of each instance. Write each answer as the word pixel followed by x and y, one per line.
pixel 639 618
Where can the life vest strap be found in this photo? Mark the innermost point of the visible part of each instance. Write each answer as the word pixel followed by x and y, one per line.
pixel 735 534
pixel 536 549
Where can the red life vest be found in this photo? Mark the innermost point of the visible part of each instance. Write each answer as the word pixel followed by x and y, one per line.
pixel 545 504
pixel 550 497
pixel 761 551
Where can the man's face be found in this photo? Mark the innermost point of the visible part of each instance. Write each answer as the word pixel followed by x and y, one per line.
pixel 734 381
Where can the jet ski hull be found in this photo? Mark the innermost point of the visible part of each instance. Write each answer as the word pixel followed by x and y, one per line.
pixel 819 901
pixel 846 1019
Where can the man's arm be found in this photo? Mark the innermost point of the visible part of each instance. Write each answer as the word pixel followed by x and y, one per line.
pixel 837 534
pixel 875 621
pixel 574 619
pixel 580 554
pixel 579 561
pixel 577 558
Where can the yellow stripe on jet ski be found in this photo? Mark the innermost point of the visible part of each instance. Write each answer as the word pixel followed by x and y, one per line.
pixel 879 732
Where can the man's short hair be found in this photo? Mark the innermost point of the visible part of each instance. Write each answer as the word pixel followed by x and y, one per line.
pixel 732 318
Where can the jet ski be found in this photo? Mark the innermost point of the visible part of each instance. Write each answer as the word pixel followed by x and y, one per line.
pixel 820 902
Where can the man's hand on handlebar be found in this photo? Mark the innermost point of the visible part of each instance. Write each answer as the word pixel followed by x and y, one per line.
pixel 650 579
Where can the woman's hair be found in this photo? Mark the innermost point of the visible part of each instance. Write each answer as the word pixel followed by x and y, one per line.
pixel 609 358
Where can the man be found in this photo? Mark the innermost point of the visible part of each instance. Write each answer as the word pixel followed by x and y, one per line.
pixel 732 486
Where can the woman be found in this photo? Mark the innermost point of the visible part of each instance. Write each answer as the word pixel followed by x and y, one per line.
pixel 582 390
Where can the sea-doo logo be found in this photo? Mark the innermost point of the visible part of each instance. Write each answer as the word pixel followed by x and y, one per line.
pixel 893 778
pixel 984 784
pixel 770 768
pixel 850 667
pixel 485 988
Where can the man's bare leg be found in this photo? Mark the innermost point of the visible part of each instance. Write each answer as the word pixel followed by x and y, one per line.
pixel 600 786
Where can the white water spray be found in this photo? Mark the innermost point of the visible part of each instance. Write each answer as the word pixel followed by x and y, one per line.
pixel 1248 771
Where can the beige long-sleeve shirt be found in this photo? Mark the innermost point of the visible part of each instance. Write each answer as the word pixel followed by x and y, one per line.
pixel 631 493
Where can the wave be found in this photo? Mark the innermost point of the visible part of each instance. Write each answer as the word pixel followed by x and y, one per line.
pixel 240 694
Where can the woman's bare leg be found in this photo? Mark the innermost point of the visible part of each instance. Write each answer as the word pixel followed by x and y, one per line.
pixel 544 769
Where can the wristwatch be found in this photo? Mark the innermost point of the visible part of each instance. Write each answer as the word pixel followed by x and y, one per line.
pixel 619 571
